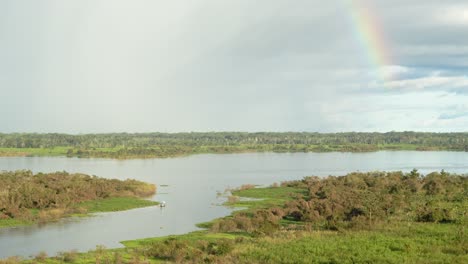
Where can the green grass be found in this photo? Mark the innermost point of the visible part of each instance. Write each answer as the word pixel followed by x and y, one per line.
pixel 265 197
pixel 6 223
pixel 422 243
pixel 280 193
pixel 99 255
pixel 190 237
pixel 40 152
pixel 115 204
pixel 56 151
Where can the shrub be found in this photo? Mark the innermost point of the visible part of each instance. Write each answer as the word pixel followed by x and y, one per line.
pixel 68 256
pixel 246 187
pixel 11 260
pixel 117 258
pixel 220 247
pixel 233 199
pixel 442 215
pixel 41 257
pixel 50 215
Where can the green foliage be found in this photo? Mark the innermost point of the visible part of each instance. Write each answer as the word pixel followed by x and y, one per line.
pixel 9 222
pixel 68 256
pixel 265 197
pixel 41 257
pixel 115 204
pixel 183 251
pixel 420 243
pixel 377 217
pixel 148 145
pixel 26 197
pixel 283 193
pixel 381 218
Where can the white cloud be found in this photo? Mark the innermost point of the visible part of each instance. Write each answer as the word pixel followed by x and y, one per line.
pixel 454 15
pixel 118 65
pixel 391 72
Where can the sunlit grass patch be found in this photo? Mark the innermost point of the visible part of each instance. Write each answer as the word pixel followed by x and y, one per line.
pixel 5 223
pixel 264 197
pixel 115 204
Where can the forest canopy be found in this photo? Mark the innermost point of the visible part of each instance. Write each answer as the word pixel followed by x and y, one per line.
pixel 146 145
pixel 24 140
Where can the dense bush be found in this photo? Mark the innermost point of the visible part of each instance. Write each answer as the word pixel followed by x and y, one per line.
pixel 181 251
pixel 360 200
pixel 24 195
pixel 381 217
pixel 379 196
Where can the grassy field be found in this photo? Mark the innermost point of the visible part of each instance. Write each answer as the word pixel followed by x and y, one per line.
pixel 419 243
pixel 28 152
pixel 115 204
pixel 263 197
pixel 6 223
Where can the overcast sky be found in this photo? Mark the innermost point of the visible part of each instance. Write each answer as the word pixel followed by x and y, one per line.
pixel 231 65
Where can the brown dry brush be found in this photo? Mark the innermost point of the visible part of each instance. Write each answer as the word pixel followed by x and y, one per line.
pixel 361 200
pixel 54 194
pixel 180 251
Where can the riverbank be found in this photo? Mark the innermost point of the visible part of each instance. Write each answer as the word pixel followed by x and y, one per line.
pixel 178 151
pixel 413 219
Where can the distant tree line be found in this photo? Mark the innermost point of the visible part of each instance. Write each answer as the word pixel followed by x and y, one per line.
pixel 124 145
pixel 24 140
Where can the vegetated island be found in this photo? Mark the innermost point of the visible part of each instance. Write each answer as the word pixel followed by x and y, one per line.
pixel 27 198
pixel 377 217
pixel 162 145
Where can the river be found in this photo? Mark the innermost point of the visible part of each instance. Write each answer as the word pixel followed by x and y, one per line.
pixel 189 186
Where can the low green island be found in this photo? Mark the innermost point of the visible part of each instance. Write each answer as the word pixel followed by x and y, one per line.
pixel 27 198
pixel 163 145
pixel 375 217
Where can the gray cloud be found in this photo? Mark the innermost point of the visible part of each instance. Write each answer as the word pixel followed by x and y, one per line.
pixel 103 66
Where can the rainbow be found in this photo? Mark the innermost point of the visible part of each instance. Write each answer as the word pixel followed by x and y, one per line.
pixel 370 34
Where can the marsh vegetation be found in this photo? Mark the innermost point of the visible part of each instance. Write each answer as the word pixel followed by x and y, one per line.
pixel 27 198
pixel 376 217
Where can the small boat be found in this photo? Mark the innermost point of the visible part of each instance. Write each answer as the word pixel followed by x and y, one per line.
pixel 162 204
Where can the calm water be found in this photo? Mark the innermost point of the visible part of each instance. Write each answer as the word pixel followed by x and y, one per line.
pixel 191 194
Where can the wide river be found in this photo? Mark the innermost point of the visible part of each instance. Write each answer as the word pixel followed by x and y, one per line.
pixel 189 185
